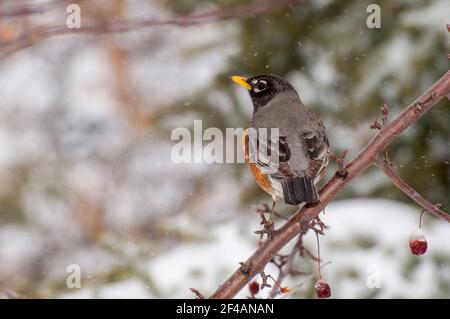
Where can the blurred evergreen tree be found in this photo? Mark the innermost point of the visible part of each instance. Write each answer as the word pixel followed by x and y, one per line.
pixel 393 65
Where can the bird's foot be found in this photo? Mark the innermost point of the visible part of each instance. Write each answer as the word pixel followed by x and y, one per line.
pixel 342 172
pixel 268 224
pixel 268 227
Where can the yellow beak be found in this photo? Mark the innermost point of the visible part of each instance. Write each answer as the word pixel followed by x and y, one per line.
pixel 241 81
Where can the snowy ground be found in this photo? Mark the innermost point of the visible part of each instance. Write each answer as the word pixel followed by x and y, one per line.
pixel 366 243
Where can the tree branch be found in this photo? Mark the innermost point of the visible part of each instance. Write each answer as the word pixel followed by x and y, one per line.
pixel 409 191
pixel 286 267
pixel 29 9
pixel 300 220
pixel 126 25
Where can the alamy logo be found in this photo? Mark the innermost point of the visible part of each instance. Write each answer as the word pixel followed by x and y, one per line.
pixel 374 278
pixel 74 276
pixel 374 19
pixel 74 18
pixel 212 146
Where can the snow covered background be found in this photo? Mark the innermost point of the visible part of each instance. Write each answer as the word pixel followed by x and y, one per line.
pixel 366 238
pixel 87 177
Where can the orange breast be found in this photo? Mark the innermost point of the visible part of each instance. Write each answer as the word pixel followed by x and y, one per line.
pixel 262 179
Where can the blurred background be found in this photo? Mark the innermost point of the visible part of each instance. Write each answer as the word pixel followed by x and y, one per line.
pixel 85 125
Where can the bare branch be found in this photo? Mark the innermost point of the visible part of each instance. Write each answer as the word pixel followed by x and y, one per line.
pixel 286 268
pixel 300 220
pixel 197 293
pixel 409 191
pixel 29 9
pixel 126 25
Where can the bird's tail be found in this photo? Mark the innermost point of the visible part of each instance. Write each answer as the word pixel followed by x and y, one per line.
pixel 299 190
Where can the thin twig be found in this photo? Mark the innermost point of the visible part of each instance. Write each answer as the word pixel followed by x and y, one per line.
pixel 29 9
pixel 132 24
pixel 197 293
pixel 318 256
pixel 409 191
pixel 286 268
pixel 420 219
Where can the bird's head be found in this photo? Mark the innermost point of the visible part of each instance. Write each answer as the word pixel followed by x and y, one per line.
pixel 262 88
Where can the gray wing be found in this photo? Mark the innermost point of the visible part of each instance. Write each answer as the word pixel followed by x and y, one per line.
pixel 265 159
pixel 311 147
pixel 317 144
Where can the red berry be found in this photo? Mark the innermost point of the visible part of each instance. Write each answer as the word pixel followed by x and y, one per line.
pixel 284 290
pixel 417 242
pixel 448 27
pixel 322 289
pixel 253 287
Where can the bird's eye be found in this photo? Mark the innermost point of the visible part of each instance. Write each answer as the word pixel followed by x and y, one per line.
pixel 261 86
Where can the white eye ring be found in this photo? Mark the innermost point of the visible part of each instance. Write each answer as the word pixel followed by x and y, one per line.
pixel 260 85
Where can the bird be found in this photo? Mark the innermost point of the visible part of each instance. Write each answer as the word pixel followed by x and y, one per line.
pixel 303 146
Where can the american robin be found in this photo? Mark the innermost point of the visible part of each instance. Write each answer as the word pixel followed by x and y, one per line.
pixel 302 146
